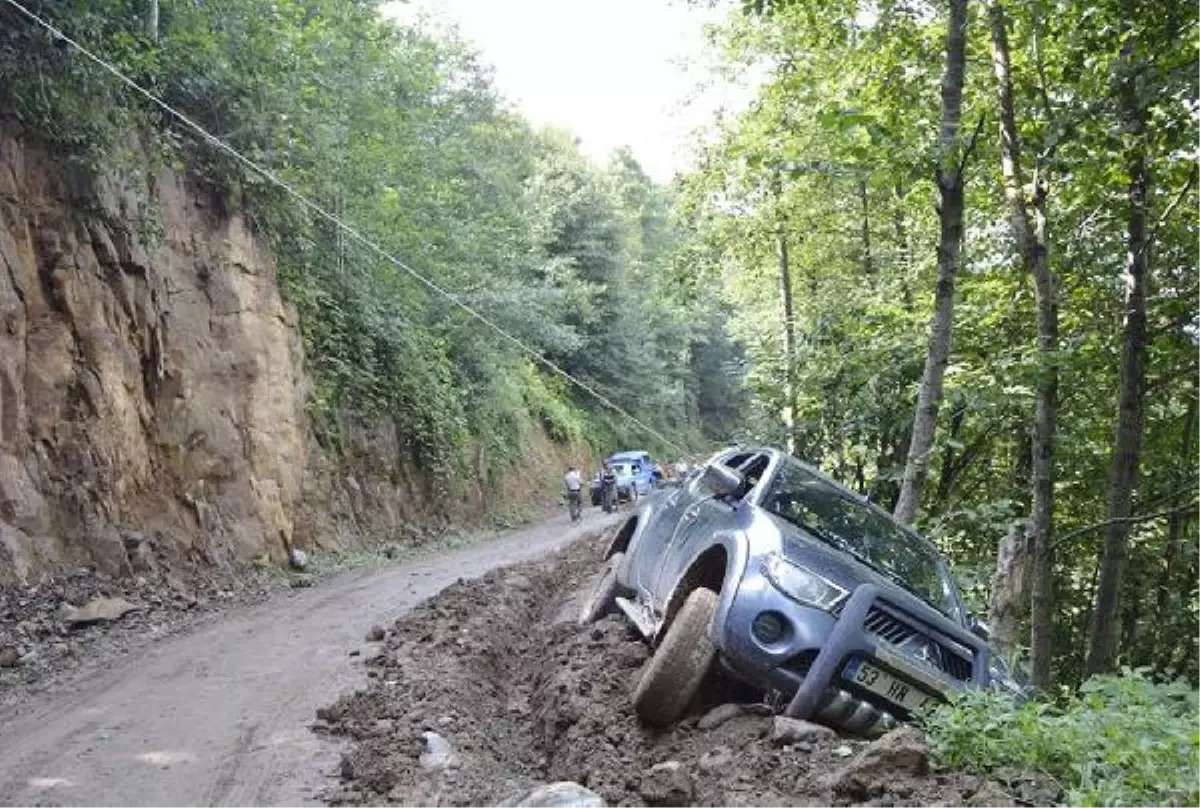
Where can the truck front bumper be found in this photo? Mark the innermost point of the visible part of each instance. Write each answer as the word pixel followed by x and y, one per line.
pixel 807 663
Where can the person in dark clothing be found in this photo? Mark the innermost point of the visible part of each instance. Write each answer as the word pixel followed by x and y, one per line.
pixel 608 487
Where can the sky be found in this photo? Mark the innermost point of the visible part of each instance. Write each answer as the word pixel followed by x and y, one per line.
pixel 614 72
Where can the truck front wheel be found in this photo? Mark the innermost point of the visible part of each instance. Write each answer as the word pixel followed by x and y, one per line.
pixel 680 664
pixel 601 599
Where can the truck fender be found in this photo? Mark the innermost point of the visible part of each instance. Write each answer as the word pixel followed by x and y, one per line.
pixel 718 566
pixel 626 539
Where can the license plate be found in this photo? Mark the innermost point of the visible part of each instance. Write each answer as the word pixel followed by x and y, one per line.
pixel 884 684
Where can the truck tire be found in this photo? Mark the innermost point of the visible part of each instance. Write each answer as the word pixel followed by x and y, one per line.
pixel 602 598
pixel 680 664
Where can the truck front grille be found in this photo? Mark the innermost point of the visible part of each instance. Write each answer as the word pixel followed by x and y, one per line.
pixel 888 627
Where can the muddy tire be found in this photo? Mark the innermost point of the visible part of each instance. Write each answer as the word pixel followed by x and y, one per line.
pixel 673 676
pixel 602 599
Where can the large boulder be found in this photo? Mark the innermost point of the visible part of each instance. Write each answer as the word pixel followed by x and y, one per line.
pixel 900 754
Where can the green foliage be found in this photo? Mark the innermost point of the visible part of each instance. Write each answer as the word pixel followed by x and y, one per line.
pixel 1122 740
pixel 548 402
pixel 835 154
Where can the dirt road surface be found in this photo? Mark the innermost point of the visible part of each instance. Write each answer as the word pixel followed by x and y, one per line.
pixel 221 716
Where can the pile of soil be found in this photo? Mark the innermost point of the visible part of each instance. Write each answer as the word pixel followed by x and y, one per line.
pixel 498 668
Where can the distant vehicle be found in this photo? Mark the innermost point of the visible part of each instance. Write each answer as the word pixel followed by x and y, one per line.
pixel 794 584
pixel 636 472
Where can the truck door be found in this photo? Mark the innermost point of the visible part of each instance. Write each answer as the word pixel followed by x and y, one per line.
pixel 666 520
pixel 703 516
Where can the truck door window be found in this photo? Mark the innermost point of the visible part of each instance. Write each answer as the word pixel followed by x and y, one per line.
pixel 738 459
pixel 752 471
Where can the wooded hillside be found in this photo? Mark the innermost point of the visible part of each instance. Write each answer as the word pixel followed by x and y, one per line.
pixel 398 132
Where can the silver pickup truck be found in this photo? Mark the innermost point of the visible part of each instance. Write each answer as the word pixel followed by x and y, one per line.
pixel 796 585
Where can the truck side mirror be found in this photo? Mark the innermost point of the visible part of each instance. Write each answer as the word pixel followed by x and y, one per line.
pixel 720 480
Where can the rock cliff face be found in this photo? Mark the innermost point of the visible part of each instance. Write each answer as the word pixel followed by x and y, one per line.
pixel 152 389
pixel 150 376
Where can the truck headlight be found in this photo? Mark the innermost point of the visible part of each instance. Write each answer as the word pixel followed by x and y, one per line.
pixel 802 584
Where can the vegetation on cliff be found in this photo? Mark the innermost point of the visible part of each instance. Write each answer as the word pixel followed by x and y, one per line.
pixel 397 131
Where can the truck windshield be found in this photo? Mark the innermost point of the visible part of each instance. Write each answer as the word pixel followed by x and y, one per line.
pixel 806 500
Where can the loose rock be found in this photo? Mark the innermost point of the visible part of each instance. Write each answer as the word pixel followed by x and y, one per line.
pixel 137 549
pixel 901 753
pixel 719 715
pixel 991 795
pixel 376 634
pixel 438 754
pixel 716 759
pixel 1030 787
pixel 97 610
pixel 667 784
pixel 564 794
pixel 298 559
pixel 786 731
pixel 9 657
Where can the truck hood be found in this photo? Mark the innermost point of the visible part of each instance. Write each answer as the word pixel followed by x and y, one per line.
pixel 839 567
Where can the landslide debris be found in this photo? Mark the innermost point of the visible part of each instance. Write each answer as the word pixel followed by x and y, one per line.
pixel 523 697
pixel 85 620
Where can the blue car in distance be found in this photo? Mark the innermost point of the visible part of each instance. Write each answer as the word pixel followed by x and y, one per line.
pixel 637 474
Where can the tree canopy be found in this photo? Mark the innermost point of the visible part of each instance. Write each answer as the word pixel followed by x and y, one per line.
pixel 839 154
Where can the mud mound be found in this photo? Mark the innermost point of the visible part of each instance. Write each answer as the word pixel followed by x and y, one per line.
pixel 498 668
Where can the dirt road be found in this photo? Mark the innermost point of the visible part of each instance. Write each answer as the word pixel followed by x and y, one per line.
pixel 221 716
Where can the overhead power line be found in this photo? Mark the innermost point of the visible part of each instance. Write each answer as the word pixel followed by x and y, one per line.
pixel 353 232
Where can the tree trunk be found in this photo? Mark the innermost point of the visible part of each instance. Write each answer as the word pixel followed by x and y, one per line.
pixel 152 21
pixel 868 264
pixel 1030 237
pixel 1008 603
pixel 950 215
pixel 1127 444
pixel 789 339
pixel 949 465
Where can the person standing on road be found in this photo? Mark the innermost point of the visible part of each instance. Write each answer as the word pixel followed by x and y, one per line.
pixel 574 484
pixel 608 487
